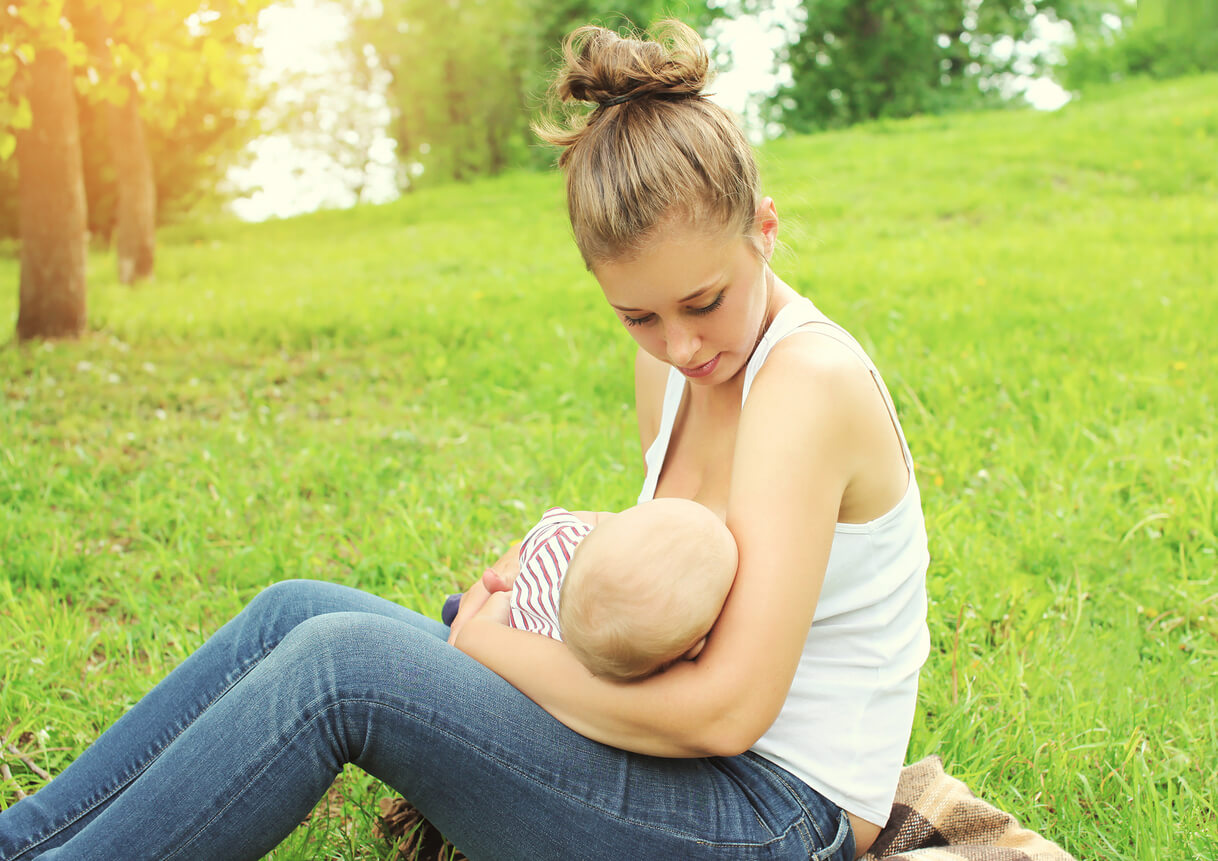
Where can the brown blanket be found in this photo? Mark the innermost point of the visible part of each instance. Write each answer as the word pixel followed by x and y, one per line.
pixel 936 818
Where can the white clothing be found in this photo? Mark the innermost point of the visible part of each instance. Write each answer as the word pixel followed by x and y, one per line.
pixel 545 554
pixel 845 724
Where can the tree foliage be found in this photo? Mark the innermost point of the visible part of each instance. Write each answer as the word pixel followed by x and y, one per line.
pixel 862 59
pixel 192 62
pixel 466 76
pixel 1171 38
pixel 455 81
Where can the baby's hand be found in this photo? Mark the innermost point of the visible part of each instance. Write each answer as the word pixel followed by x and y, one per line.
pixel 496 579
pixel 507 566
pixel 493 581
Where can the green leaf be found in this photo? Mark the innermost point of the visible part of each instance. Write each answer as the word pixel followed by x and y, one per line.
pixel 23 118
pixel 77 53
pixel 8 69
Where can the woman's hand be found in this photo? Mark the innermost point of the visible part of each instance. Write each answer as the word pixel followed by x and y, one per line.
pixel 493 609
pixel 496 608
pixel 471 603
pixel 497 578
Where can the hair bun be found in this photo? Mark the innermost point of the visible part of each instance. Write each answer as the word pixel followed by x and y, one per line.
pixel 607 69
pixel 665 153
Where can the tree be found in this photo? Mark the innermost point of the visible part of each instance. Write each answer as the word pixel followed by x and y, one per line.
pixel 46 139
pixel 455 81
pixel 861 59
pixel 135 237
pixel 152 58
pixel 466 76
pixel 185 63
pixel 135 189
pixel 51 196
pixel 1170 38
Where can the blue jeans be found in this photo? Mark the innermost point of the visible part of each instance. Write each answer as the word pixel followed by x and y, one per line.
pixel 232 750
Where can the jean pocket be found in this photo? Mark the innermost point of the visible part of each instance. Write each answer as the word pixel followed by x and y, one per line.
pixel 825 827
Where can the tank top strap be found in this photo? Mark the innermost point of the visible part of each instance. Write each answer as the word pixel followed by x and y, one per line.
pixel 653 460
pixel 801 315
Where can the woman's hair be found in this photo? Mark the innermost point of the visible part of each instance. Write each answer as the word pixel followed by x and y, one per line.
pixel 653 148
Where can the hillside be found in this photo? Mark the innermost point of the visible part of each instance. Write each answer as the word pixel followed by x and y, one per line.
pixel 383 397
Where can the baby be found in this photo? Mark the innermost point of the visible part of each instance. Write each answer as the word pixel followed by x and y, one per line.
pixel 628 593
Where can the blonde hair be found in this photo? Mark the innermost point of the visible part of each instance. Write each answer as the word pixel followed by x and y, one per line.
pixel 664 152
pixel 645 586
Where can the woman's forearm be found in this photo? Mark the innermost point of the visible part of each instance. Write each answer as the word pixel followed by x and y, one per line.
pixel 672 715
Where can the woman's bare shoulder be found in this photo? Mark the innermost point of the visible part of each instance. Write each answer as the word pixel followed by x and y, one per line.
pixel 815 360
pixel 817 389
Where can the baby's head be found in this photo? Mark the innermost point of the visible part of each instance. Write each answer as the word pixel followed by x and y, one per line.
pixel 645 586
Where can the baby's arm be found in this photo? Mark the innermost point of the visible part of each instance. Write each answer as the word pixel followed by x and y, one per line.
pixel 500 576
pixel 592 518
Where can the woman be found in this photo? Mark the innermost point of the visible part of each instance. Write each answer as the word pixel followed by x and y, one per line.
pixel 783 739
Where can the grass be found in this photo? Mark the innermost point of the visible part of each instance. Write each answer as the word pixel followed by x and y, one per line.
pixel 384 397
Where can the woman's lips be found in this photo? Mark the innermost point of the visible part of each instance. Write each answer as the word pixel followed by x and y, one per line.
pixel 702 370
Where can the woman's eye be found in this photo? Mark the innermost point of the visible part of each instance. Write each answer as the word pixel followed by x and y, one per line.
pixel 647 318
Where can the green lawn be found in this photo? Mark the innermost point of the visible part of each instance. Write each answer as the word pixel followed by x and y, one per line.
pixel 383 397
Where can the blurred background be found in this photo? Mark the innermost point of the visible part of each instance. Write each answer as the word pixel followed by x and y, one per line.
pixel 276 108
pixel 1012 203
pixel 262 109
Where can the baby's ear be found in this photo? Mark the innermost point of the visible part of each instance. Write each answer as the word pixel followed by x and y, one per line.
pixel 694 650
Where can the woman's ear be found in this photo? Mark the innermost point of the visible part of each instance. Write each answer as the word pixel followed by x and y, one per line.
pixel 765 222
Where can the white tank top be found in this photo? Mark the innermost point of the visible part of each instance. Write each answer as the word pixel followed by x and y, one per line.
pixel 846 721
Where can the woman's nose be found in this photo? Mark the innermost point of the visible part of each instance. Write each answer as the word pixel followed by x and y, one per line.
pixel 682 344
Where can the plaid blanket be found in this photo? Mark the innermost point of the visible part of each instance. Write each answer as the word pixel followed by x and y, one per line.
pixel 936 818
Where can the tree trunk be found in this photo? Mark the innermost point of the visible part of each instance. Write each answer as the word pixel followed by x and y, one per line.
pixel 51 201
pixel 136 210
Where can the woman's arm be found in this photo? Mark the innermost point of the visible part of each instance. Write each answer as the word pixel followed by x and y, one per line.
pixel 796 451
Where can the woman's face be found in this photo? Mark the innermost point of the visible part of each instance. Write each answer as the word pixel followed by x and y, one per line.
pixel 696 302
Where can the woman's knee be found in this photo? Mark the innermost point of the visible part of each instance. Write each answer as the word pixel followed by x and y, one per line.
pixel 348 643
pixel 285 590
pixel 294 598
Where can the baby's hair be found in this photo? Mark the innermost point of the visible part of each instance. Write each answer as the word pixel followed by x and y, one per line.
pixel 639 593
pixel 653 148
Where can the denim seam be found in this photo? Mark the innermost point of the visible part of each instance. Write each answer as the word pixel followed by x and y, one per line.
pixel 488 755
pixel 90 806
pixel 843 829
pixel 776 838
pixel 842 822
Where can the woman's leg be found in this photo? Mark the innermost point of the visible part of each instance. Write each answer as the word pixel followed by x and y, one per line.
pixel 96 778
pixel 493 771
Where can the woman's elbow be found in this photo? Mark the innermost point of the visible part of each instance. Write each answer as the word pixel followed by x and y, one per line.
pixel 729 721
pixel 733 732
pixel 732 741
